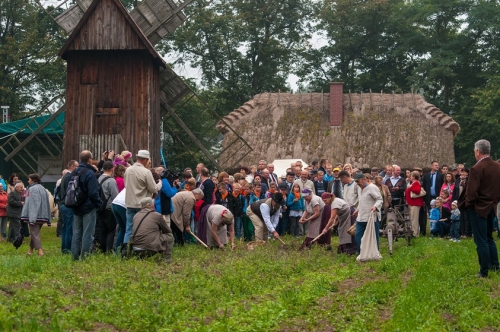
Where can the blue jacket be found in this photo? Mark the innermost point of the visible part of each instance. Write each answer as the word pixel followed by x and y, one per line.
pixel 296 206
pixel 170 192
pixel 434 215
pixel 90 187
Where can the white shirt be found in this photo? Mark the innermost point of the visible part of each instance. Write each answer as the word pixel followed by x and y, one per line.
pixel 270 221
pixel 369 197
pixel 120 199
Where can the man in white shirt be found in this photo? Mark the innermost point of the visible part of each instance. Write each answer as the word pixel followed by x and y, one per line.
pixel 265 214
pixel 370 201
pixel 350 190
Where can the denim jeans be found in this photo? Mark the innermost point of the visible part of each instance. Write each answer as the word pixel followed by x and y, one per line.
pixel 441 229
pixel 67 229
pixel 455 230
pixel 283 224
pixel 131 212
pixel 83 231
pixel 360 231
pixel 120 214
pixel 238 226
pixel 482 230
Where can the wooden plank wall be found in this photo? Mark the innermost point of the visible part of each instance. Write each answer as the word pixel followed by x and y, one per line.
pixel 106 29
pixel 127 81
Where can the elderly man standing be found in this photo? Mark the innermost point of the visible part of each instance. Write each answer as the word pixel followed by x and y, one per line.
pixel 481 197
pixel 151 234
pixel 85 215
pixel 273 176
pixel 370 201
pixel 304 182
pixel 140 184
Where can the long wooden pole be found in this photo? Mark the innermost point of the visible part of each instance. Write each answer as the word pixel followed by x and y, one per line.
pixel 198 239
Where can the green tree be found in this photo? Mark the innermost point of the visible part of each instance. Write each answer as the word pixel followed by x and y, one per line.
pixel 358 50
pixel 31 73
pixel 242 47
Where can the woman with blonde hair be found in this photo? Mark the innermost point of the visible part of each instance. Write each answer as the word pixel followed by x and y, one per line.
pixel 348 168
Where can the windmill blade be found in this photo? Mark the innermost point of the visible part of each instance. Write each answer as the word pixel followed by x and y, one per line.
pixel 158 18
pixel 69 19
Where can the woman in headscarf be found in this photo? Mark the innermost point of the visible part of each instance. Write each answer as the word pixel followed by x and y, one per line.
pixel 36 211
pixel 341 215
pixel 312 215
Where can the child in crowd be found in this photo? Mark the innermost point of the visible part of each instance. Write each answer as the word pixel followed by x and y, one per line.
pixel 455 223
pixel 446 199
pixel 248 228
pixel 273 189
pixel 238 210
pixel 295 203
pixel 434 215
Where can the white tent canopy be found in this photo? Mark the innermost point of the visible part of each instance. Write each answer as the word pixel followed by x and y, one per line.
pixel 280 165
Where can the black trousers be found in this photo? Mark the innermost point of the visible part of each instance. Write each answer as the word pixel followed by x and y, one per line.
pixel 107 229
pixel 422 220
pixel 178 234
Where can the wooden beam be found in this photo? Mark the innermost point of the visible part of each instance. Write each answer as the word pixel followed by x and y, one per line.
pixel 181 123
pixel 39 129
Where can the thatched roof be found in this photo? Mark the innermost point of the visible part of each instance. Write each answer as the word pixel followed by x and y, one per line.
pixel 376 129
pixel 353 102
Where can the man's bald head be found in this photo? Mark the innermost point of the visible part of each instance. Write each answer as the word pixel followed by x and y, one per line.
pixel 85 156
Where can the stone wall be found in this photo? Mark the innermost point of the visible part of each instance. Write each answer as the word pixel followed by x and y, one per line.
pixel 376 130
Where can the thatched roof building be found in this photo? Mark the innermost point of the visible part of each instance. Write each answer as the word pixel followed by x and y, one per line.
pixel 366 130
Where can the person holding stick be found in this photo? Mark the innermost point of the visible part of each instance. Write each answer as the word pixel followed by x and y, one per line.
pixel 312 215
pixel 264 215
pixel 219 219
pixel 341 215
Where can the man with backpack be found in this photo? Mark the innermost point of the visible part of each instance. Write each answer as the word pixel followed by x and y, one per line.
pixel 67 215
pixel 108 190
pixel 82 196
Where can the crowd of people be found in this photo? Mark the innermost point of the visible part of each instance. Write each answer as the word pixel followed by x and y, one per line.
pixel 130 207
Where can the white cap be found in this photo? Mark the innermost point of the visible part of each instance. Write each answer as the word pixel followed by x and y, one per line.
pixel 144 154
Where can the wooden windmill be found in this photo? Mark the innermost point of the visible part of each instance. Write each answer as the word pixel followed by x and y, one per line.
pixel 119 90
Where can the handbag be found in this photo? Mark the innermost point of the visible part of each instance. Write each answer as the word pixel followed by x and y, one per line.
pixel 129 248
pixel 352 230
pixel 421 194
pixel 18 240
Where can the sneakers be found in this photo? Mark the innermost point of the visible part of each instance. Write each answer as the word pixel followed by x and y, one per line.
pixel 455 240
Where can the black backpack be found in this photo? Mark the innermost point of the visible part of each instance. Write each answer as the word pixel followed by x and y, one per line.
pixel 101 194
pixel 75 196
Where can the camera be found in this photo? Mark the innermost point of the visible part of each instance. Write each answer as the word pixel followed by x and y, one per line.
pixel 170 176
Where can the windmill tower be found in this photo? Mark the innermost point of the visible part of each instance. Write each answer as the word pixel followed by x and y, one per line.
pixel 119 90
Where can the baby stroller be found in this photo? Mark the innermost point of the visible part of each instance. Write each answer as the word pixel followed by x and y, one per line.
pixel 397 225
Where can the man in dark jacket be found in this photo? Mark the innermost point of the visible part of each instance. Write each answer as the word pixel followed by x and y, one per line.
pixel 14 208
pixel 85 214
pixel 481 198
pixel 432 183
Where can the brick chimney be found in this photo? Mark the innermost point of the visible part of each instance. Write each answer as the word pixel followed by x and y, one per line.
pixel 336 103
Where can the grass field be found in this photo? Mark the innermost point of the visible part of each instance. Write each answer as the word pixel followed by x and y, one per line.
pixel 430 286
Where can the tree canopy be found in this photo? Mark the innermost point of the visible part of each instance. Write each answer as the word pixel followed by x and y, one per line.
pixel 30 71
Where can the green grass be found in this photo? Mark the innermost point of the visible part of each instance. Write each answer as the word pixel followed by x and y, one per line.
pixel 430 286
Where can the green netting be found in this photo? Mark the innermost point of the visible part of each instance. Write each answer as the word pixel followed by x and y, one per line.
pixel 29 125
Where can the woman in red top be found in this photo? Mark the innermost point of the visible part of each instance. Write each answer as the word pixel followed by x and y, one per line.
pixel 414 204
pixel 3 212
